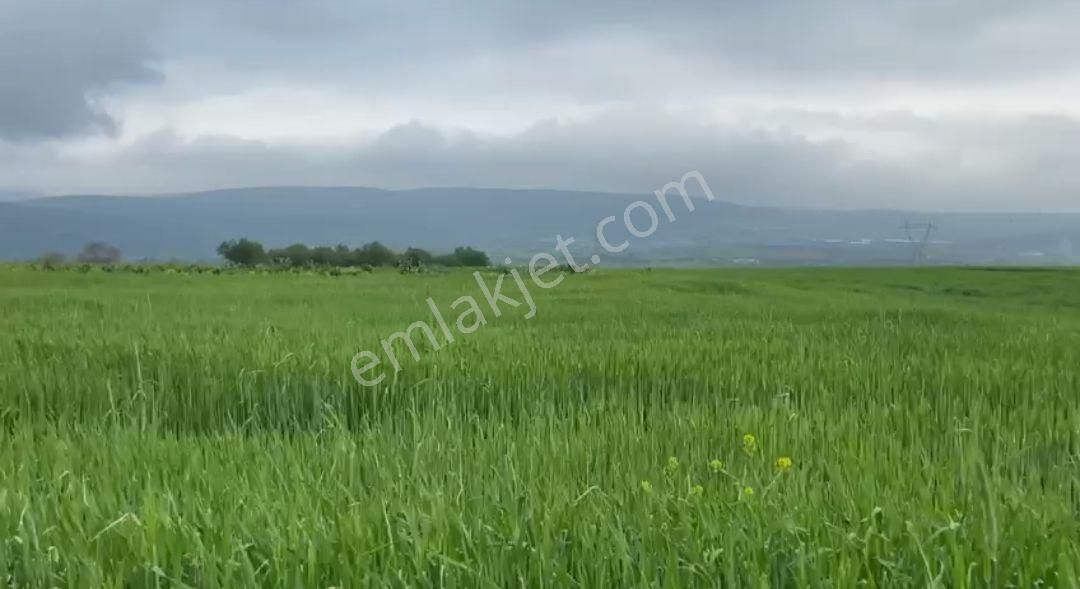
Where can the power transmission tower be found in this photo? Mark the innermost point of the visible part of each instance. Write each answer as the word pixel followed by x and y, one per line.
pixel 918 235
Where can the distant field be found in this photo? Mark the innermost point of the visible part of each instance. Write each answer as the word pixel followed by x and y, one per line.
pixel 205 430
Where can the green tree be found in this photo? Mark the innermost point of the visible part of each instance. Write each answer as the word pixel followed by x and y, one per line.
pixel 52 260
pixel 242 252
pixel 415 256
pixel 375 254
pixel 469 257
pixel 342 255
pixel 322 255
pixel 296 255
pixel 99 252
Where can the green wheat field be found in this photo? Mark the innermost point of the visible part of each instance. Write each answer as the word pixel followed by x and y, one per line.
pixel 664 428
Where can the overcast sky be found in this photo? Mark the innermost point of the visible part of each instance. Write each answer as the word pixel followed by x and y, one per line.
pixel 930 104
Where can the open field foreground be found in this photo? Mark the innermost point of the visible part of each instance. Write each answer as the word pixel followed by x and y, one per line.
pixel 907 427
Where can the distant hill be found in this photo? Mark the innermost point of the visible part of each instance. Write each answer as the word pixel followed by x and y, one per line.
pixel 7 195
pixel 519 223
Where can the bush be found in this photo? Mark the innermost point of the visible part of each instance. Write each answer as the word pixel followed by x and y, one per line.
pixel 99 252
pixel 52 261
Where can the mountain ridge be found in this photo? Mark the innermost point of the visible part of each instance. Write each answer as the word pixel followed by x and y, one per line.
pixel 517 222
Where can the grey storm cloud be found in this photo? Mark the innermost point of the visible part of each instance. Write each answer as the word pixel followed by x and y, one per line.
pixel 912 39
pixel 619 62
pixel 55 53
pixel 632 152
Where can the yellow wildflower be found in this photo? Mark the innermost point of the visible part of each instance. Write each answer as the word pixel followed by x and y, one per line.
pixel 749 443
pixel 748 492
pixel 716 465
pixel 697 491
pixel 646 486
pixel 784 463
pixel 672 465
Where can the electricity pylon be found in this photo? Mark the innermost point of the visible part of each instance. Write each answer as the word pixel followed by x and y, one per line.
pixel 918 235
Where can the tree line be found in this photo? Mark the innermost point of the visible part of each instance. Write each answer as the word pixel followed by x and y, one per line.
pixel 247 252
